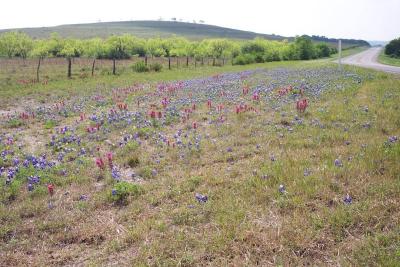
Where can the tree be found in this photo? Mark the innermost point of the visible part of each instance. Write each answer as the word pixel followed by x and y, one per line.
pixel 322 50
pixel 200 52
pixel 304 47
pixel 136 46
pixel 204 50
pixel 167 45
pixel 256 48
pixel 71 48
pixel 154 47
pixel 179 48
pixel 217 48
pixel 117 47
pixel 231 52
pixel 393 48
pixel 55 44
pixel 94 48
pixel 15 44
pixel 40 51
pixel 191 48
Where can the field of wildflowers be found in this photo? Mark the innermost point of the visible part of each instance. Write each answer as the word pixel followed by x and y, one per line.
pixel 290 165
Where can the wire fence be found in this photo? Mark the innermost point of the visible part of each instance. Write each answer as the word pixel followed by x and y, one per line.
pixel 54 68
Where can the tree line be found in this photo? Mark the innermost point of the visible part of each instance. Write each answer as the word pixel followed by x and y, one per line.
pixel 117 47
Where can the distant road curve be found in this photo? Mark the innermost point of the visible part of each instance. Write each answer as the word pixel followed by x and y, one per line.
pixel 369 59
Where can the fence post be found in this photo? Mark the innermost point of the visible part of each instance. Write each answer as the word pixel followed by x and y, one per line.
pixel 340 54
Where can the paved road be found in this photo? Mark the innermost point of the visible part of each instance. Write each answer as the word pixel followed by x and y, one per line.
pixel 369 59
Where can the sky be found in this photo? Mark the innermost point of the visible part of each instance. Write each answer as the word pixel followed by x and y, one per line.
pixel 358 19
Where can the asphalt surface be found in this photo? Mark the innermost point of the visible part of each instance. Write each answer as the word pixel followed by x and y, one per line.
pixel 369 59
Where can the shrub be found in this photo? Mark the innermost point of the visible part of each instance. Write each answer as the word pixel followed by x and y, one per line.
pixel 305 48
pixel 123 190
pixel 259 58
pixel 50 124
pixel 272 56
pixel 133 161
pixel 393 48
pixel 12 190
pixel 140 66
pixel 243 59
pixel 144 132
pixel 145 172
pixel 157 67
pixel 322 50
pixel 15 123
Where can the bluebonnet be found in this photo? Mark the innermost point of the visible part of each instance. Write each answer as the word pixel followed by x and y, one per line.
pixel 282 189
pixel 338 163
pixel 114 192
pixel 30 187
pixel 201 198
pixel 347 199
pixel 115 173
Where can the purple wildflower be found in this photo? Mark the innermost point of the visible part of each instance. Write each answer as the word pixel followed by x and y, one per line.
pixel 30 187
pixel 347 199
pixel 282 189
pixel 115 173
pixel 201 198
pixel 338 163
pixel 114 192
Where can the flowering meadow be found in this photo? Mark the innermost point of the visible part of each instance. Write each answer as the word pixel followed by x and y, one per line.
pixel 278 166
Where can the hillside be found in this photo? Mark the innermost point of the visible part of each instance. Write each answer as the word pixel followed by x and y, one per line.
pixel 147 29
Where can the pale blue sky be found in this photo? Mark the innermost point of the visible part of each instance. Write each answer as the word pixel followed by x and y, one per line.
pixel 361 19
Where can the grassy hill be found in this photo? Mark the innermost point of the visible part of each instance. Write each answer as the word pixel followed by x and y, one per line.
pixel 148 29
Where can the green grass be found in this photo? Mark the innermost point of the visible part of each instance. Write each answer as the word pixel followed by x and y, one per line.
pixel 59 86
pixel 385 59
pixel 349 52
pixel 246 221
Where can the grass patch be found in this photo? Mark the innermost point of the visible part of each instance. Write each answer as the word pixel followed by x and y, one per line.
pixel 387 60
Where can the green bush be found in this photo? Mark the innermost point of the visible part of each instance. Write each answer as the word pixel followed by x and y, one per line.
pixel 305 48
pixel 322 50
pixel 272 56
pixel 145 172
pixel 140 66
pixel 10 192
pixel 133 161
pixel 50 124
pixel 259 58
pixel 392 49
pixel 157 67
pixel 15 123
pixel 244 59
pixel 144 132
pixel 123 190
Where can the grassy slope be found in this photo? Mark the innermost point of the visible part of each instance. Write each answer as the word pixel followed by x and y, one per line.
pixel 349 52
pixel 385 59
pixel 246 221
pixel 146 29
